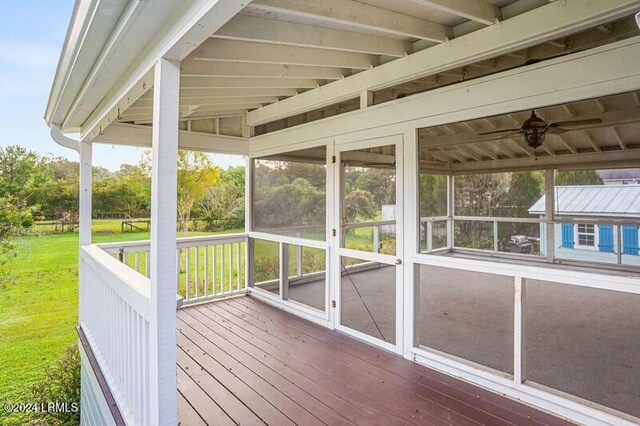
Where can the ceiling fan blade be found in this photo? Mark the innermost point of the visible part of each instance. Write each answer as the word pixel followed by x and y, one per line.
pixel 557 130
pixel 570 123
pixel 498 131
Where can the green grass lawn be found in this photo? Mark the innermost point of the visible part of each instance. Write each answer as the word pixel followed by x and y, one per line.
pixel 39 309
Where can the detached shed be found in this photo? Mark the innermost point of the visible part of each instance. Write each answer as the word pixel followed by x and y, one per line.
pixel 601 210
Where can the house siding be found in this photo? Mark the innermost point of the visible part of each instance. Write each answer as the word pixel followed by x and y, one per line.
pixel 585 254
pixel 93 406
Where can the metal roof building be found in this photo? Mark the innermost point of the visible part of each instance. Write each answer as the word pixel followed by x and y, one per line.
pixel 594 200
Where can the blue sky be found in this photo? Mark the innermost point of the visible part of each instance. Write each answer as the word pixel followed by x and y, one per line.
pixel 31 37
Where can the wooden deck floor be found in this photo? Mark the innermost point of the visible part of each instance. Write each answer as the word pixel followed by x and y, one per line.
pixel 241 361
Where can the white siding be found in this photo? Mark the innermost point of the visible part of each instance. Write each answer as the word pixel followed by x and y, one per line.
pixel 93 407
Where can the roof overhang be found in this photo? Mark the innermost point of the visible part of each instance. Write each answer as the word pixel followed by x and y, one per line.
pixel 264 60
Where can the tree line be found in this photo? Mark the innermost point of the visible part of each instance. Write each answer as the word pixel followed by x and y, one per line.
pixel 49 186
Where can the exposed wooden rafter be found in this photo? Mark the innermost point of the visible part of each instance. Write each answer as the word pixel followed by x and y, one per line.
pixel 263 53
pixel 359 15
pixel 476 10
pixel 195 68
pixel 251 28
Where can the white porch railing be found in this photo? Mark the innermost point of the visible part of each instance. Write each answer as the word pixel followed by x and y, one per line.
pixel 115 305
pixel 115 309
pixel 208 267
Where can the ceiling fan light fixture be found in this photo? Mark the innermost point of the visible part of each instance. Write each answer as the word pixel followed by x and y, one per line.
pixel 533 130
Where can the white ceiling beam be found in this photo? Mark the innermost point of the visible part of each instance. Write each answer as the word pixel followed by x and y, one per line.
pixel 251 28
pixel 245 83
pixel 547 22
pixel 137 135
pixel 194 68
pixel 147 104
pixel 229 93
pixel 475 10
pixel 262 53
pixel 358 15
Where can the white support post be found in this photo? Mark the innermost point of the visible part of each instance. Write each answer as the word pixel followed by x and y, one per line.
pixel 429 236
pixel 299 249
pixel 248 223
pixel 495 236
pixel 518 331
pixel 549 194
pixel 84 216
pixel 86 167
pixel 284 271
pixel 162 363
pixel 450 211
pixel 376 239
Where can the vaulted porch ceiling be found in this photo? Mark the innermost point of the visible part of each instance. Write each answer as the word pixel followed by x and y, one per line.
pixel 263 60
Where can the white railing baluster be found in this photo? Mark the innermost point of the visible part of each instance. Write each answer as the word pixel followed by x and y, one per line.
pixel 215 268
pixel 230 267
pixel 206 270
pixel 187 269
pixel 222 265
pixel 197 274
pixel 238 265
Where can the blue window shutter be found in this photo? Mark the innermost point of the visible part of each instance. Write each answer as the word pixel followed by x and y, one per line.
pixel 605 237
pixel 567 235
pixel 630 240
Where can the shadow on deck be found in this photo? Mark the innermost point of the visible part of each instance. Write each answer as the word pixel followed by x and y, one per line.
pixel 241 361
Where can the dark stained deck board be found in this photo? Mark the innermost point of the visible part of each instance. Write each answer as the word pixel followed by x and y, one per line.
pixel 199 401
pixel 301 373
pixel 298 405
pixel 340 402
pixel 398 397
pixel 458 389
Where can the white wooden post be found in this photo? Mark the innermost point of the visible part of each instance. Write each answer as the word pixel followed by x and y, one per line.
pixel 299 270
pixel 162 383
pixel 84 217
pixel 376 239
pixel 549 194
pixel 495 236
pixel 518 331
pixel 284 271
pixel 429 235
pixel 450 211
pixel 248 223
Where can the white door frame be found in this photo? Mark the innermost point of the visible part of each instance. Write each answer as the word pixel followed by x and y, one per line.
pixel 338 251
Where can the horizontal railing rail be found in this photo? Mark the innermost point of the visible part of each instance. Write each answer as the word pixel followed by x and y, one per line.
pixel 209 267
pixel 115 315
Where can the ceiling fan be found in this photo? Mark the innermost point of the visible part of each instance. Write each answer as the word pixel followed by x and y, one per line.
pixel 535 128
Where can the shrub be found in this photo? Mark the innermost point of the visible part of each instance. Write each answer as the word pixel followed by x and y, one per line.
pixel 61 385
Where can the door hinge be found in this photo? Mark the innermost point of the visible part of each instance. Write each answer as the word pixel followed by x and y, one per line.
pixel 333 303
pixel 333 159
pixel 333 232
